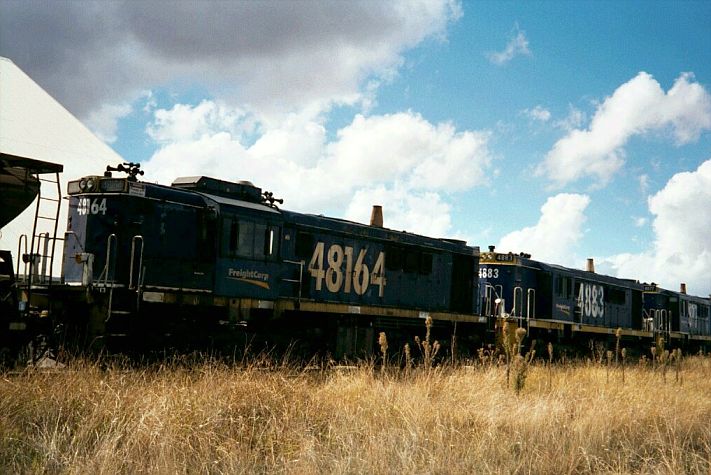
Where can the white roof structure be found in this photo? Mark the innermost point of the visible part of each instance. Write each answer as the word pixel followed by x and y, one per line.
pixel 34 125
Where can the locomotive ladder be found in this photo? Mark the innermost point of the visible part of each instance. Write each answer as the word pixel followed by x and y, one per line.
pixel 38 266
pixel 295 281
pixel 48 208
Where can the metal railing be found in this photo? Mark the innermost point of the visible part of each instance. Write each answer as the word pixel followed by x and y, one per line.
pixel 136 239
pixel 110 252
pixel 301 275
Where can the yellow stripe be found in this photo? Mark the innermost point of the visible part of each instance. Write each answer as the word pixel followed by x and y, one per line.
pixel 258 283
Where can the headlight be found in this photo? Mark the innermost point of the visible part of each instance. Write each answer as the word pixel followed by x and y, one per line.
pixel 90 182
pixel 82 184
pixel 73 187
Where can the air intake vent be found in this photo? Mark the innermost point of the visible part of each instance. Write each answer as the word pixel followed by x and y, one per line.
pixel 243 190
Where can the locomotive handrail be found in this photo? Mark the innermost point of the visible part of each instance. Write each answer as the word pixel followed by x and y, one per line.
pixel 19 258
pixel 649 320
pixel 301 274
pixel 666 321
pixel 531 304
pixel 42 237
pixel 135 239
pixel 105 272
pixel 517 309
pixel 488 289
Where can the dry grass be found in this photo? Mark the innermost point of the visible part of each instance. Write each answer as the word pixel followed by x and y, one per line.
pixel 211 418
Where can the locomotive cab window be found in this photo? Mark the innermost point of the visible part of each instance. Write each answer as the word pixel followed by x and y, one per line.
pixel 304 244
pixel 244 238
pixel 265 239
pixel 206 224
pixel 564 287
pixel 230 237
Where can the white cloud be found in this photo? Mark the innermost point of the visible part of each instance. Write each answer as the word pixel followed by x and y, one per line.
pixel 682 246
pixel 573 120
pixel 422 212
pixel 636 107
pixel 539 113
pixel 401 159
pixel 518 45
pixel 103 122
pixel 554 236
pixel 189 123
pixel 639 221
pixel 269 56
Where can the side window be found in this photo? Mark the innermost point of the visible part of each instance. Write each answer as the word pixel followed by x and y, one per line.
pixel 393 258
pixel 245 239
pixel 563 286
pixel 426 263
pixel 304 245
pixel 233 230
pixel 615 296
pixel 206 222
pixel 260 236
pixel 412 261
pixel 229 237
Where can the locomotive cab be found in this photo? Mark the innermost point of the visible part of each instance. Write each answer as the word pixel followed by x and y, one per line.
pixel 125 233
pixel 509 286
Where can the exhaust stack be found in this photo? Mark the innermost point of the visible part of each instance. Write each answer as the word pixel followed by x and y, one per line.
pixel 682 288
pixel 376 216
pixel 590 267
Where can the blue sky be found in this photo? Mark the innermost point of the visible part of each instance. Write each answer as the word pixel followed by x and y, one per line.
pixel 564 129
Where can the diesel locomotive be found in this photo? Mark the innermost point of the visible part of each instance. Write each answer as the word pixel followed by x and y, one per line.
pixel 208 262
pixel 571 305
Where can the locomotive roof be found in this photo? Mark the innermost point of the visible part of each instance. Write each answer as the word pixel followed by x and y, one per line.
pixel 655 289
pixel 229 194
pixel 584 274
pixel 391 235
pixel 317 222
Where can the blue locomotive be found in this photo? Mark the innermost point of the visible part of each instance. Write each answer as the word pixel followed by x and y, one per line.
pixel 211 260
pixel 677 314
pixel 573 305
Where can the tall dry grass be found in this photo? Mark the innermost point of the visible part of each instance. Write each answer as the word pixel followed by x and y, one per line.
pixel 210 418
